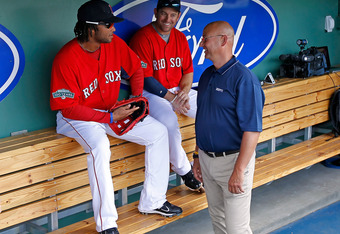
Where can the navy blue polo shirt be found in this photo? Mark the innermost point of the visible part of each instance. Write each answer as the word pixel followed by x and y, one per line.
pixel 229 102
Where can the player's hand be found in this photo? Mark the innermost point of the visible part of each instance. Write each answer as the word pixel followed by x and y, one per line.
pixel 196 168
pixel 181 104
pixel 180 108
pixel 123 111
pixel 183 99
pixel 235 182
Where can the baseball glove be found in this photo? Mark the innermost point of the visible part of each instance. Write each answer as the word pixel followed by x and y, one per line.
pixel 122 126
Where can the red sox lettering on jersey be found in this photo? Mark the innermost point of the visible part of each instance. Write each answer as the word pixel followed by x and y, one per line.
pixel 111 76
pixel 161 63
pixel 92 87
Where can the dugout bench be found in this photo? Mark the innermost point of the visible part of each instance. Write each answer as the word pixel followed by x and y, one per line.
pixel 43 173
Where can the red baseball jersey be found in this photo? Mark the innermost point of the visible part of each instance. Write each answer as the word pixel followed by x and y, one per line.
pixel 79 79
pixel 166 62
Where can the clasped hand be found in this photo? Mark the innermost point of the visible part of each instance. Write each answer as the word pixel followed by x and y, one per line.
pixel 181 103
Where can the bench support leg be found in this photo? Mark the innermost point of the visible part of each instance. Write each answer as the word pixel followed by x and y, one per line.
pixel 53 221
pixel 122 197
pixel 272 145
pixel 271 149
pixel 308 133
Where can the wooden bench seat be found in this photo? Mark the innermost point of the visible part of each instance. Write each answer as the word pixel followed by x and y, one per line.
pixel 42 173
pixel 268 168
pixel 292 105
pixel 283 162
pixel 130 221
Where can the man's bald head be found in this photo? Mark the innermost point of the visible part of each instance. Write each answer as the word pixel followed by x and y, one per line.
pixel 222 28
pixel 217 42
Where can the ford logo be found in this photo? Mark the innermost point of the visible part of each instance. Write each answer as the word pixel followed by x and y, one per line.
pixel 254 21
pixel 12 60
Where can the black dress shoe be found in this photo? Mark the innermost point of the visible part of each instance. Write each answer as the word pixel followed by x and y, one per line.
pixel 110 231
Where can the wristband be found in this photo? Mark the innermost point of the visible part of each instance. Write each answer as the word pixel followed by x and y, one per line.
pixel 111 117
pixel 172 101
pixel 195 155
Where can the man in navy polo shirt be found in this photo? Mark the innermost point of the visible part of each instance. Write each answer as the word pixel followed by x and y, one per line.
pixel 228 124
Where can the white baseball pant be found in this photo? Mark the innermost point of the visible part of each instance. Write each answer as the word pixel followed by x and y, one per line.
pixel 161 110
pixel 92 136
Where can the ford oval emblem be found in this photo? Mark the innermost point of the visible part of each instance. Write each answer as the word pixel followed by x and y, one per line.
pixel 12 60
pixel 254 21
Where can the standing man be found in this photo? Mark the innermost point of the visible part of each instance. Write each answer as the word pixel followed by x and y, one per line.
pixel 168 71
pixel 228 124
pixel 86 75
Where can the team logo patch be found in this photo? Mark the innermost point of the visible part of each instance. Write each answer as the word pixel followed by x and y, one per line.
pixel 63 94
pixel 144 65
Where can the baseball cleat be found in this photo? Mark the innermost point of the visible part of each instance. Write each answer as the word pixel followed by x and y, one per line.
pixel 192 183
pixel 110 231
pixel 167 210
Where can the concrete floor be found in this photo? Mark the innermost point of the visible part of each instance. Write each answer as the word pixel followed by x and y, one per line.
pixel 275 205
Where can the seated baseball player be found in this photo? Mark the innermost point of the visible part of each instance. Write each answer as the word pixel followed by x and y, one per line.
pixel 86 75
pixel 168 71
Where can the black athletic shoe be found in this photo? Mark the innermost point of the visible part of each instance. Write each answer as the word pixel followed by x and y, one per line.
pixel 167 210
pixel 110 231
pixel 191 182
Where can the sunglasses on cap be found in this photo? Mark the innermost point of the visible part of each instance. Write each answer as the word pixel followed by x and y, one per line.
pixel 176 4
pixel 107 25
pixel 171 4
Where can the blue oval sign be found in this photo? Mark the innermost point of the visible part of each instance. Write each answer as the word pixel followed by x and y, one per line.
pixel 12 60
pixel 254 21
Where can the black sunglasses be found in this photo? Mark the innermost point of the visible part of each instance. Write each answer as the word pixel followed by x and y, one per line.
pixel 107 25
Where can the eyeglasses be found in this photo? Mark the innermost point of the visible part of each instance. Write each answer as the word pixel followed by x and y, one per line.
pixel 107 25
pixel 204 39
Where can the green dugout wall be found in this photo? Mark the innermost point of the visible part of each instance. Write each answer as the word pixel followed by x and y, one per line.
pixel 44 26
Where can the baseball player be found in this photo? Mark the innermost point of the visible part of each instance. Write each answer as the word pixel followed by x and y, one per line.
pixel 86 75
pixel 168 71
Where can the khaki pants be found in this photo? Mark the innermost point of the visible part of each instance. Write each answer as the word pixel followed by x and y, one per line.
pixel 230 213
